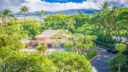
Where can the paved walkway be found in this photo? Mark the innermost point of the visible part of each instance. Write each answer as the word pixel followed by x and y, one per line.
pixel 100 63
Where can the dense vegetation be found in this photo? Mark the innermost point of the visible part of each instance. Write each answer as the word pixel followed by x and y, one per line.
pixel 87 31
pixel 19 62
pixel 70 62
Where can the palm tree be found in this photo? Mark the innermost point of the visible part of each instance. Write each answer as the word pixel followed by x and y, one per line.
pixel 15 19
pixel 105 6
pixel 0 14
pixel 24 9
pixel 1 18
pixel 103 15
pixel 114 12
pixel 42 13
pixel 5 14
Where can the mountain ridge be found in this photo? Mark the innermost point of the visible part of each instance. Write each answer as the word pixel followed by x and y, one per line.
pixel 66 12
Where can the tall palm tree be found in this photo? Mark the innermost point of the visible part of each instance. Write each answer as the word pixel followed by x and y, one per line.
pixel 24 9
pixel 105 6
pixel 42 13
pixel 5 14
pixel 1 18
pixel 103 15
pixel 114 13
pixel 0 14
pixel 15 19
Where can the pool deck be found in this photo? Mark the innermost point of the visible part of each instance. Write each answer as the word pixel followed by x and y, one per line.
pixel 33 50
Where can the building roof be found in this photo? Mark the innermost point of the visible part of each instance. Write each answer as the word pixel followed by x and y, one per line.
pixel 25 41
pixel 48 33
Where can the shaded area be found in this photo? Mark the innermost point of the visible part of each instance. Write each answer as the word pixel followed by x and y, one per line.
pixel 100 63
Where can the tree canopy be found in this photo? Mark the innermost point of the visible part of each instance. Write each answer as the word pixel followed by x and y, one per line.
pixel 70 62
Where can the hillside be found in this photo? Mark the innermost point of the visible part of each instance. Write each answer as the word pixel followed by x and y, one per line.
pixel 66 12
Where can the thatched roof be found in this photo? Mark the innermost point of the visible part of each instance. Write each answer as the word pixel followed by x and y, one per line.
pixel 48 33
pixel 25 41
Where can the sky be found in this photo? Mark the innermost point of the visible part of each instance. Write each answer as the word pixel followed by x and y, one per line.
pixel 58 5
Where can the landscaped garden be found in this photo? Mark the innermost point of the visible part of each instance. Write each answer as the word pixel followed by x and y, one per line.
pixel 64 43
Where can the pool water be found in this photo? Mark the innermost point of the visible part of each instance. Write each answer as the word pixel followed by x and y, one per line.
pixel 62 50
pixel 59 50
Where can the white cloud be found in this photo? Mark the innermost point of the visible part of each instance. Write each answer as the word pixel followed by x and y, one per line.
pixel 37 5
pixel 119 2
pixel 10 4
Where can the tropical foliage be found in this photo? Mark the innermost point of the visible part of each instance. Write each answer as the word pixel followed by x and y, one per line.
pixel 41 48
pixel 106 28
pixel 70 62
pixel 19 62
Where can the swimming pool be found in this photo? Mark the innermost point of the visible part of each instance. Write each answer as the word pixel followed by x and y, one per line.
pixel 59 50
pixel 62 50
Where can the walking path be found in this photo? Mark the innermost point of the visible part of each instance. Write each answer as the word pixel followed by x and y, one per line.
pixel 100 63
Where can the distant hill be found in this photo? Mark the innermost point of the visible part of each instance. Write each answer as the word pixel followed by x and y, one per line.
pixel 66 12
pixel 74 11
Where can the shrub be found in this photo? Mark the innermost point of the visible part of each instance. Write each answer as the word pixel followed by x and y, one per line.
pixel 91 54
pixel 108 45
pixel 118 61
pixel 68 45
pixel 70 62
pixel 19 62
pixel 41 48
pixel 120 47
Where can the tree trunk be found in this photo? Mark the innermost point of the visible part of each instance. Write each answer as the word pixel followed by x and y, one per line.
pixel 99 26
pixel 106 34
pixel 1 22
pixel 94 29
pixel 119 69
pixel 119 37
pixel 95 26
pixel 40 19
pixel 116 35
pixel 84 51
pixel 109 36
pixel 5 26
pixel 116 32
pixel 126 34
pixel 24 19
pixel 103 30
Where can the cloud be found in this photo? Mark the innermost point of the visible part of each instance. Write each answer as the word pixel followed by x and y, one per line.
pixel 37 5
pixel 10 4
pixel 118 3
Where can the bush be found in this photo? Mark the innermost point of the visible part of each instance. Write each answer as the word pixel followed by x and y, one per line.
pixel 10 41
pixel 70 62
pixel 106 40
pixel 117 62
pixel 91 54
pixel 19 62
pixel 41 48
pixel 68 45
pixel 108 45
pixel 120 47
